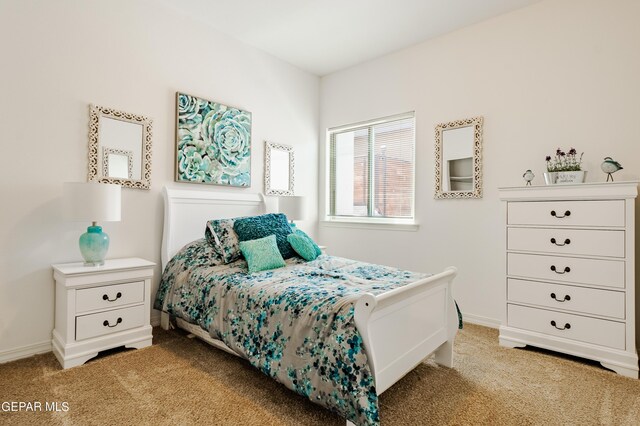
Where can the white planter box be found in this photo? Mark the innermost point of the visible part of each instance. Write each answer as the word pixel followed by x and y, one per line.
pixel 553 178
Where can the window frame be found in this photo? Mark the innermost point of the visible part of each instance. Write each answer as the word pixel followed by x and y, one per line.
pixel 370 222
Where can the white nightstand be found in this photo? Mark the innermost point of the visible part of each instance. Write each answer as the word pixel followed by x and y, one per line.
pixel 323 249
pixel 101 307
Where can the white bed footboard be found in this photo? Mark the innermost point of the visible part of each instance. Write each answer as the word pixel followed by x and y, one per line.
pixel 402 327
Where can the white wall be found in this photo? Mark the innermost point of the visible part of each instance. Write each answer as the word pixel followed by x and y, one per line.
pixel 59 56
pixel 559 73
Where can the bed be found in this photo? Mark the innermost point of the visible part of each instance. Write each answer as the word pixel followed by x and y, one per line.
pixel 399 328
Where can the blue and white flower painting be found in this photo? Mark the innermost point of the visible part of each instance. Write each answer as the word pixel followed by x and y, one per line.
pixel 213 143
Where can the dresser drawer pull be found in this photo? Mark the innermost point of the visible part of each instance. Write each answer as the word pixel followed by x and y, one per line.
pixel 566 242
pixel 554 214
pixel 566 298
pixel 566 269
pixel 105 297
pixel 106 323
pixel 567 326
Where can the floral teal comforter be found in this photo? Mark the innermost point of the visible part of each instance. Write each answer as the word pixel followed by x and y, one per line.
pixel 295 323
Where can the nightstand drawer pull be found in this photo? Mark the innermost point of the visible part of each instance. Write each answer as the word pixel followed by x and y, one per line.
pixel 109 296
pixel 106 323
pixel 566 269
pixel 567 326
pixel 565 299
pixel 566 242
pixel 566 214
pixel 105 297
pixel 112 321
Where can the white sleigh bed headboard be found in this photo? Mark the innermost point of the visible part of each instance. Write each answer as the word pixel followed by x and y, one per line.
pixel 186 212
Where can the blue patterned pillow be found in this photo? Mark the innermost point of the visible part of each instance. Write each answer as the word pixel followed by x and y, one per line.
pixel 302 246
pixel 224 239
pixel 262 254
pixel 252 228
pixel 316 248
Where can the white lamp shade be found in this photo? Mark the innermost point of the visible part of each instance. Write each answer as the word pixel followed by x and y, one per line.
pixel 92 201
pixel 293 207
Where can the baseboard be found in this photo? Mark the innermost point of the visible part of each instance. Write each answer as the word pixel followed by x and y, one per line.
pixel 25 351
pixel 480 320
pixel 155 317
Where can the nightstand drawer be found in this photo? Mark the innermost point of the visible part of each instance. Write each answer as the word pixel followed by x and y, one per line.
pixel 567 213
pixel 567 241
pixel 109 296
pixel 592 301
pixel 601 273
pixel 575 327
pixel 113 321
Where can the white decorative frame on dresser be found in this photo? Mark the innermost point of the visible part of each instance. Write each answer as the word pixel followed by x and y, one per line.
pixel 399 328
pixel 571 271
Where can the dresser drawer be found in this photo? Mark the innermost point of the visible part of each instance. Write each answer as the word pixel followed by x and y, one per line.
pixel 567 241
pixel 575 327
pixel 567 213
pixel 107 322
pixel 604 273
pixel 111 296
pixel 577 299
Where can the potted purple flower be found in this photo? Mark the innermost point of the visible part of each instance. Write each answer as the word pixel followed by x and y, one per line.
pixel 565 167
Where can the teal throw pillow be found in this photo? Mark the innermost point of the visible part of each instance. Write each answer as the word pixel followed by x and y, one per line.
pixel 252 228
pixel 262 254
pixel 302 246
pixel 316 247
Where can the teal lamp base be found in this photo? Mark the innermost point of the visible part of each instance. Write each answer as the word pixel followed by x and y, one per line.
pixel 94 245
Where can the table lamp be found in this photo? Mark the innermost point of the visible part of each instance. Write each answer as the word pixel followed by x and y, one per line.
pixel 93 202
pixel 293 207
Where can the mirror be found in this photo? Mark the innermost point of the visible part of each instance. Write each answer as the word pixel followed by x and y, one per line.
pixel 119 148
pixel 117 163
pixel 458 159
pixel 278 169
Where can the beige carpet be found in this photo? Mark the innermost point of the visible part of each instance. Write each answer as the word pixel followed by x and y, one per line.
pixel 184 381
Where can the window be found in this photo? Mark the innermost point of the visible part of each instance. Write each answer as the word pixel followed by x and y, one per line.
pixel 371 170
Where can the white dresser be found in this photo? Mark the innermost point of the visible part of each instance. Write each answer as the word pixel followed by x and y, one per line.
pixel 570 271
pixel 101 307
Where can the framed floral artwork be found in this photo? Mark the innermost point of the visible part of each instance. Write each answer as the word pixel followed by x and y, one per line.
pixel 213 142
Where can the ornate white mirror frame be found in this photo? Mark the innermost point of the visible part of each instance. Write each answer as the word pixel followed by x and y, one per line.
pixel 99 164
pixel 108 164
pixel 278 169
pixel 473 159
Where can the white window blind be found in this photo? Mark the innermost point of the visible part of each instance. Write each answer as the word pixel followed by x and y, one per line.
pixel 372 168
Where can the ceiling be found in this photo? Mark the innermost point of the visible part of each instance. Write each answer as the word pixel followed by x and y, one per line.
pixel 325 36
